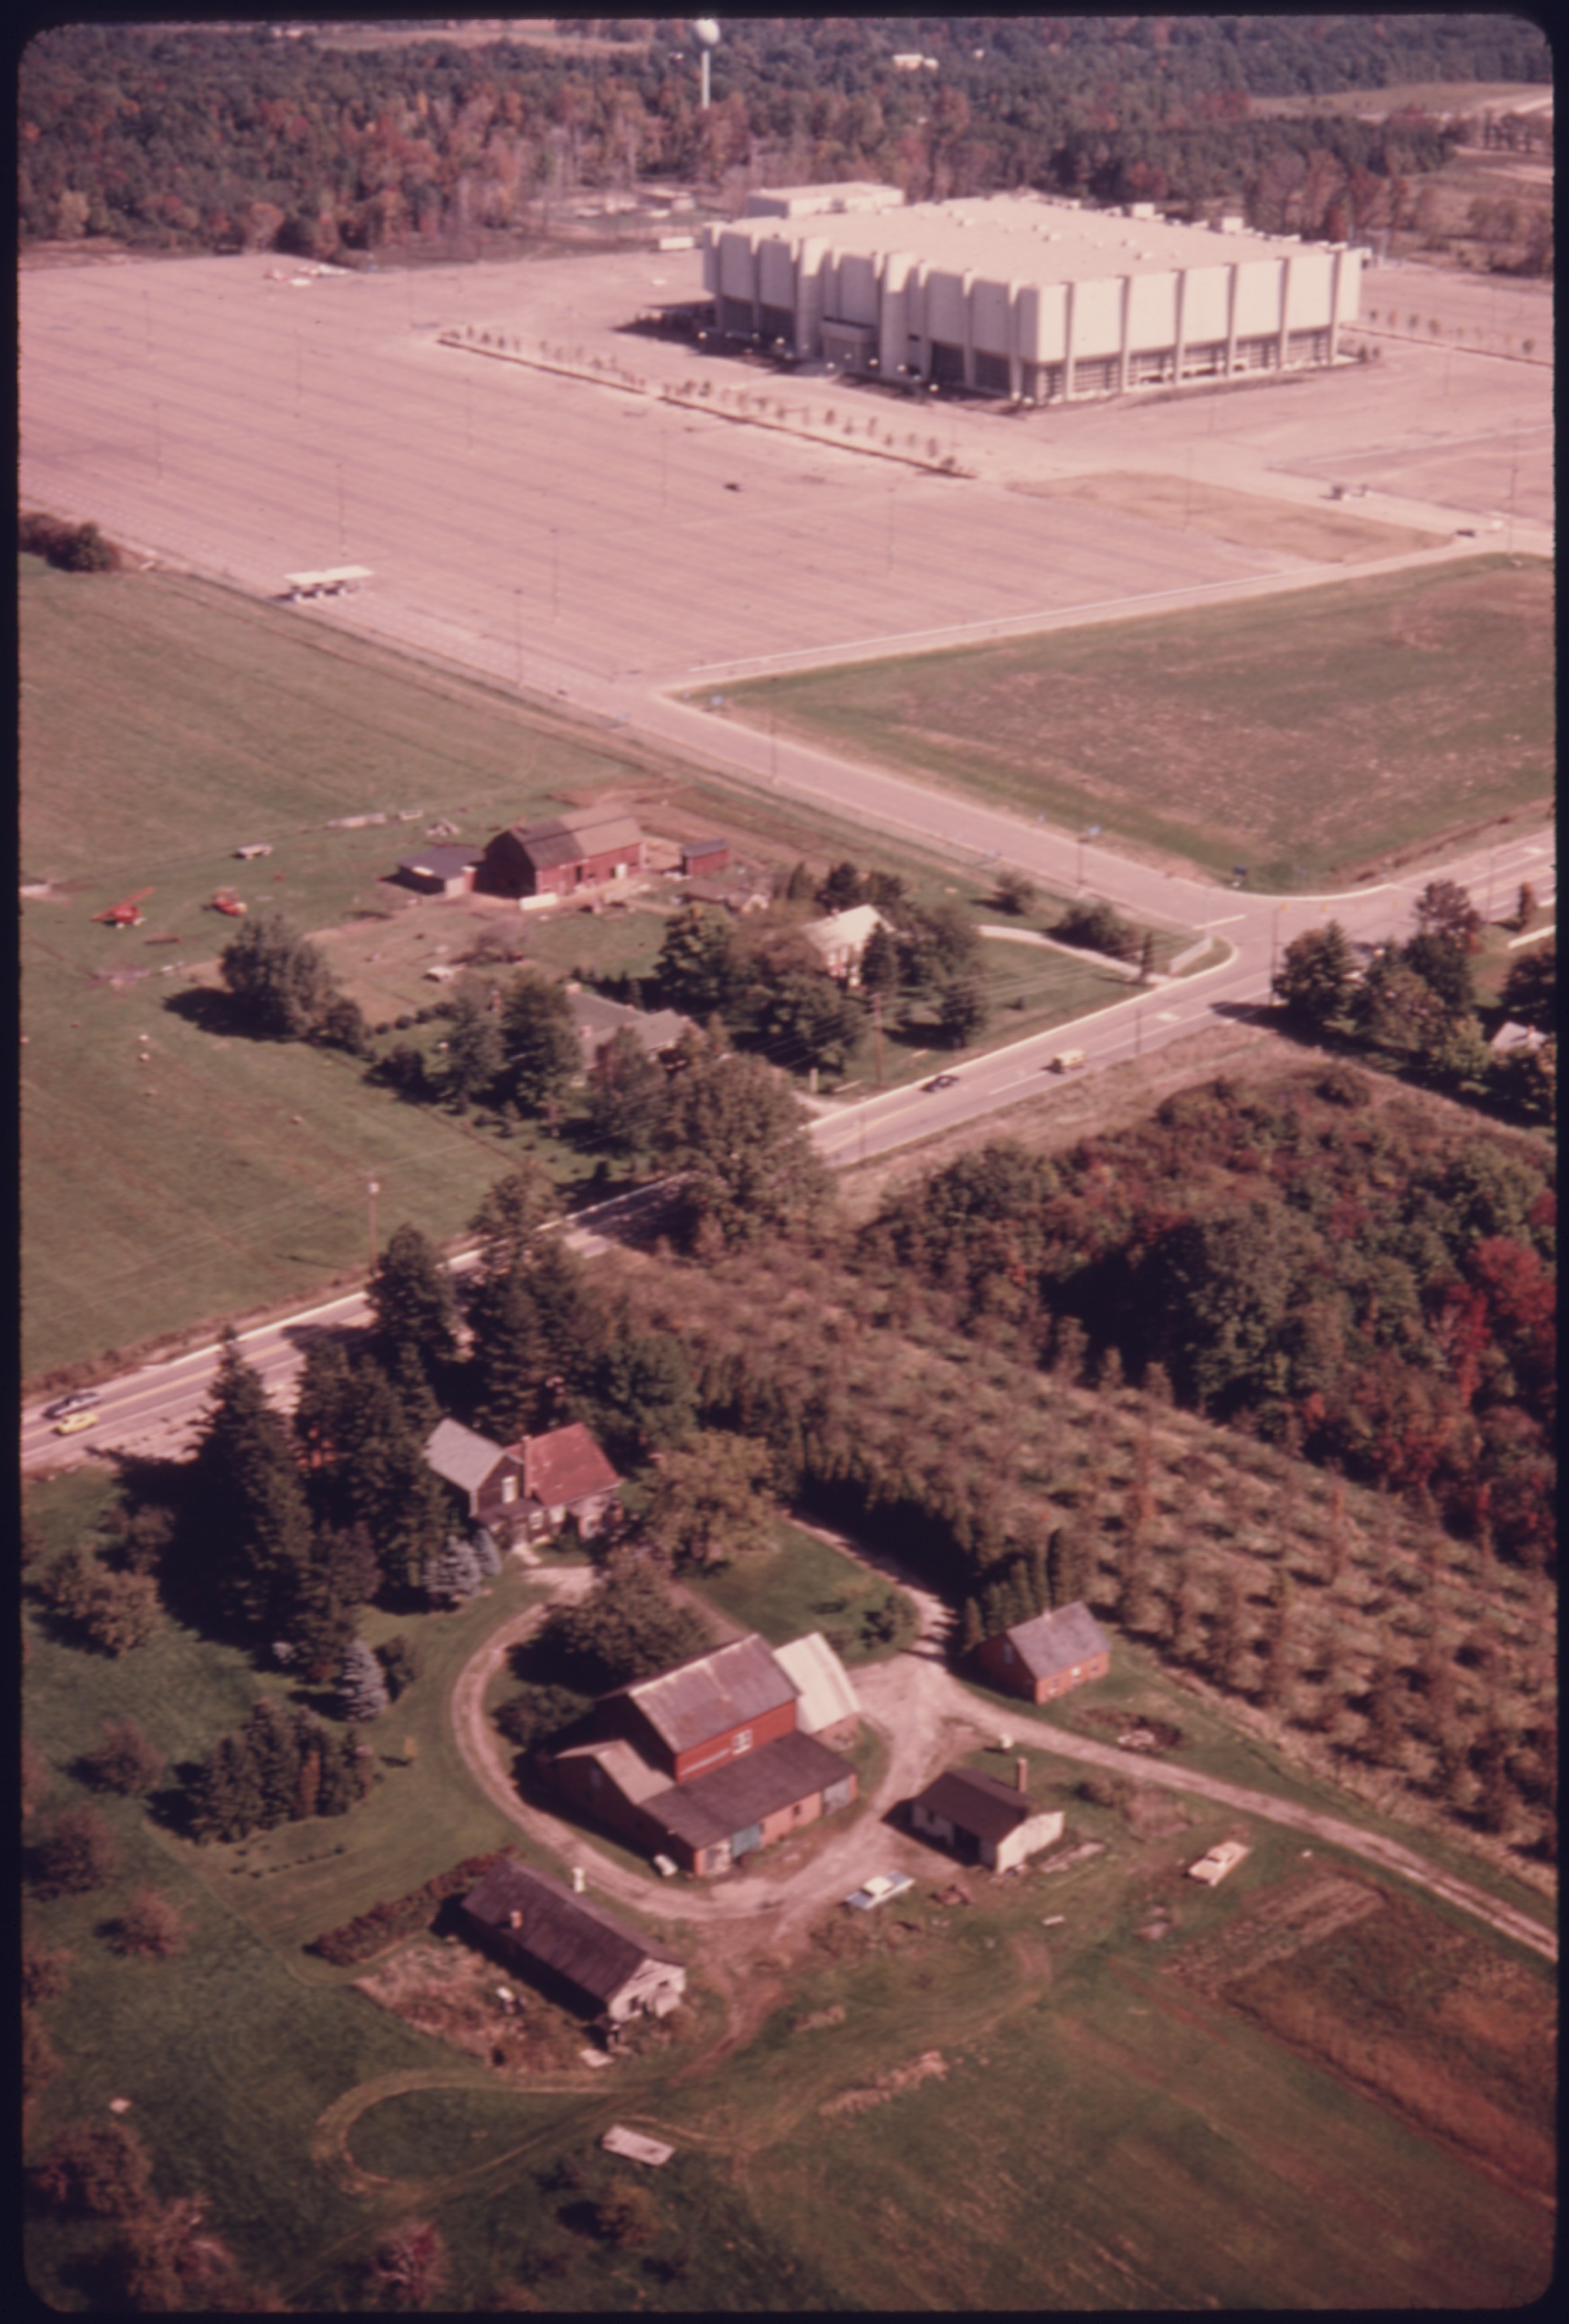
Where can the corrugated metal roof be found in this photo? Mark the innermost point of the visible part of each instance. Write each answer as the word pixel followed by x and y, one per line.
pixel 745 1790
pixel 560 1931
pixel 463 1458
pixel 710 1692
pixel 826 1694
pixel 977 1804
pixel 1054 1642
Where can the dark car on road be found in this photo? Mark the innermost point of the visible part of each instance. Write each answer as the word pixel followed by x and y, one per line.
pixel 940 1081
pixel 78 1401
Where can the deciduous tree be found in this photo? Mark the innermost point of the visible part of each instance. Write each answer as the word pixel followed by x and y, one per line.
pixel 1314 980
pixel 544 1055
pixel 712 1501
pixel 741 1142
pixel 76 1854
pixel 281 984
pixel 125 1759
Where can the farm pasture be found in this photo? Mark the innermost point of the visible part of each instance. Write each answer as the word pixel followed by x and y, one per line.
pixel 1306 736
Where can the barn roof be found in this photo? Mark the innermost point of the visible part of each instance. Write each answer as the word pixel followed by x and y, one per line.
pixel 463 1458
pixel 560 1931
pixel 709 1693
pixel 977 1804
pixel 563 1466
pixel 1056 1642
pixel 745 1790
pixel 826 1694
pixel 626 1767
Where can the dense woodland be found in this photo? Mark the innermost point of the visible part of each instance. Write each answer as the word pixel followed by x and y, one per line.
pixel 195 139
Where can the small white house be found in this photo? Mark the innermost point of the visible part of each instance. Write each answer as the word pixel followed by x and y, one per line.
pixel 842 937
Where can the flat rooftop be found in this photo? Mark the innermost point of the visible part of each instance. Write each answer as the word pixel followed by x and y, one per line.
pixel 1023 235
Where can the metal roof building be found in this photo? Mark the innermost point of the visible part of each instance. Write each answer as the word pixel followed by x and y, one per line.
pixel 535 1923
pixel 827 1697
pixel 711 1693
pixel 1022 296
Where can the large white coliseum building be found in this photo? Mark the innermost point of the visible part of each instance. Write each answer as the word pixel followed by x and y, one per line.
pixel 1020 296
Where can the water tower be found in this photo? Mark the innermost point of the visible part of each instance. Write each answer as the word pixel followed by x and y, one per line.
pixel 705 33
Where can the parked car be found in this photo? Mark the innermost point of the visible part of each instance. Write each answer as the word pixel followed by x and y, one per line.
pixel 940 1081
pixel 78 1401
pixel 879 1889
pixel 75 1422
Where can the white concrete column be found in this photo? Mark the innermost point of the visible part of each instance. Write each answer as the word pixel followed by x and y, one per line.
pixel 1127 327
pixel 1336 256
pixel 1180 350
pixel 1067 344
pixel 1285 310
pixel 1015 363
pixel 1233 278
pixel 967 301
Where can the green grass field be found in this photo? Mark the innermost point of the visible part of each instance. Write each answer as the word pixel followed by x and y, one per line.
pixel 1308 736
pixel 803 1584
pixel 238 1167
pixel 1099 2133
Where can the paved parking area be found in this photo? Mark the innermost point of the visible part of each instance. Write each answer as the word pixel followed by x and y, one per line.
pixel 570 537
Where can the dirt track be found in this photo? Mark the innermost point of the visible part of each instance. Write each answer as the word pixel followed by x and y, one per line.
pixel 925 1716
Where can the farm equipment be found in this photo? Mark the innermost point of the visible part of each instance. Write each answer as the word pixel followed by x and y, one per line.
pixel 123 915
pixel 226 900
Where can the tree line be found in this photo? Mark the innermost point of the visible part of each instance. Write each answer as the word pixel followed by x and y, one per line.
pixel 1414 1007
pixel 184 140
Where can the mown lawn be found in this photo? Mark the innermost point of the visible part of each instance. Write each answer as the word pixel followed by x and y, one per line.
pixel 1306 736
pixel 1098 2134
pixel 802 1584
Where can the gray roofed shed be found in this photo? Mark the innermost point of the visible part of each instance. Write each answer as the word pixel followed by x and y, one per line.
pixel 1057 1642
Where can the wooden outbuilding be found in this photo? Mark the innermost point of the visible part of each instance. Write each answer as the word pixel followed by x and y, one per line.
pixel 1048 1657
pixel 984 1821
pixel 539 1930
pixel 560 854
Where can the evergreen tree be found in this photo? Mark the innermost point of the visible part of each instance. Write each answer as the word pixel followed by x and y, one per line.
pixel 345 1774
pixel 1068 1565
pixel 841 889
pixel 487 1556
pixel 452 1572
pixel 274 1742
pixel 409 1297
pixel 644 1395
pixel 321 1408
pixel 399 1662
pixel 362 1688
pixel 225 1798
pixel 508 1221
pixel 250 1499
pixel 971 1631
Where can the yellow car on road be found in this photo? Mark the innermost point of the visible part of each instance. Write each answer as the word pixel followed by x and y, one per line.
pixel 75 1422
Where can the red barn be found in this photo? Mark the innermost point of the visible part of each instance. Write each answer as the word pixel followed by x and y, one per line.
pixel 1048 1657
pixel 705 1762
pixel 562 853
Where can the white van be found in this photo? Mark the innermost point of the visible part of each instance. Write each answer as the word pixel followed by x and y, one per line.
pixel 1066 1061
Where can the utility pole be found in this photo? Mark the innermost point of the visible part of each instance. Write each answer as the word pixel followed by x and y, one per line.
pixel 877 1028
pixel 373 1190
